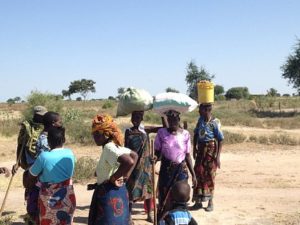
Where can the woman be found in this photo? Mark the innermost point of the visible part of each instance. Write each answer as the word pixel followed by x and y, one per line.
pixel 208 139
pixel 50 119
pixel 54 169
pixel 173 146
pixel 110 204
pixel 139 184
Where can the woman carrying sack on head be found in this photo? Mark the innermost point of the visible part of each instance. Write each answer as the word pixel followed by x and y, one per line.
pixel 110 205
pixel 139 184
pixel 173 146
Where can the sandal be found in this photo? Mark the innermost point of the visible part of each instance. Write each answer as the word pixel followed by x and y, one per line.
pixel 209 208
pixel 196 206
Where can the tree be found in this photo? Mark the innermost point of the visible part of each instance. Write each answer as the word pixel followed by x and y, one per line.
pixel 121 91
pixel 17 99
pixel 272 92
pixel 66 93
pixel 83 87
pixel 10 101
pixel 237 93
pixel 169 89
pixel 219 90
pixel 193 76
pixel 291 69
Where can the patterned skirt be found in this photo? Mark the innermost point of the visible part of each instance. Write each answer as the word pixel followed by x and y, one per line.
pixel 169 174
pixel 57 203
pixel 205 169
pixel 139 184
pixel 109 206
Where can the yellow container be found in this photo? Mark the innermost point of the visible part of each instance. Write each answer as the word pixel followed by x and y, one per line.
pixel 205 92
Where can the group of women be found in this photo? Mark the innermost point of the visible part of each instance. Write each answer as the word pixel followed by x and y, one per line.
pixel 124 170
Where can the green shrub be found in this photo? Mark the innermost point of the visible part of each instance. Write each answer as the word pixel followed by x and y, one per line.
pixel 51 101
pixel 107 104
pixel 151 117
pixel 79 131
pixel 85 168
pixel 233 138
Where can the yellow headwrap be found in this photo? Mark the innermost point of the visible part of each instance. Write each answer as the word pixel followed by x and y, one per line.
pixel 105 125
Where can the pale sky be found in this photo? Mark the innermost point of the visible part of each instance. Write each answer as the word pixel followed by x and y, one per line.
pixel 44 45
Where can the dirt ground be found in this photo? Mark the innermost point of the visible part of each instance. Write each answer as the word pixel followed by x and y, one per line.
pixel 257 184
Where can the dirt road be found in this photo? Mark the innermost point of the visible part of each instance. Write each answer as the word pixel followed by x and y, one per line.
pixel 257 184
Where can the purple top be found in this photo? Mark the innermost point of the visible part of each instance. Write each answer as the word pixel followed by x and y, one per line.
pixel 174 147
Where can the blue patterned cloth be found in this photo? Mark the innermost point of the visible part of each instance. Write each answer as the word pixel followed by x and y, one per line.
pixel 207 131
pixel 109 206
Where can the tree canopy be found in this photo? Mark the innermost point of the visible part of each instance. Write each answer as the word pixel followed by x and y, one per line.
pixel 193 75
pixel 169 89
pixel 291 69
pixel 237 93
pixel 82 87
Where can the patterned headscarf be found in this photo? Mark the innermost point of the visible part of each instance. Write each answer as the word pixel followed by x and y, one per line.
pixel 105 125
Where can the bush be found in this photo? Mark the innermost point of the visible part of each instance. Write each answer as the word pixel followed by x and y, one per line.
pixel 107 104
pixel 51 101
pixel 237 93
pixel 85 168
pixel 233 138
pixel 283 139
pixel 151 117
pixel 79 132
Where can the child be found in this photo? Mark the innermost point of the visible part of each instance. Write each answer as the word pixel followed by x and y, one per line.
pixel 179 215
pixel 208 139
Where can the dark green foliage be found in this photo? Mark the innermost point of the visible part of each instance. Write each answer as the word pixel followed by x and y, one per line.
pixel 193 76
pixel 237 93
pixel 83 87
pixel 219 90
pixel 291 69
pixel 169 89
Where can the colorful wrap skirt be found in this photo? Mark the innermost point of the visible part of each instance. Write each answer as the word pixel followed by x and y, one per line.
pixel 57 203
pixel 109 206
pixel 169 174
pixel 205 169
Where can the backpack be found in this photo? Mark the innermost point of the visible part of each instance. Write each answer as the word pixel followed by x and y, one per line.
pixel 27 140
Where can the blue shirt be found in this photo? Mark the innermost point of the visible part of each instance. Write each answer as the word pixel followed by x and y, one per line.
pixel 207 131
pixel 54 166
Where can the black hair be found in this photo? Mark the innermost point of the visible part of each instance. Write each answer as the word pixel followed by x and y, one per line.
pixel 56 137
pixel 181 192
pixel 49 118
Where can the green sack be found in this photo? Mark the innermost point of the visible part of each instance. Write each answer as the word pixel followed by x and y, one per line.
pixel 134 99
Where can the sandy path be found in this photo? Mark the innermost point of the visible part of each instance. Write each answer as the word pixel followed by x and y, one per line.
pixel 257 184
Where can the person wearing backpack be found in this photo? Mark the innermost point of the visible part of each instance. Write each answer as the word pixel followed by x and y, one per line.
pixel 29 132
pixel 27 152
pixel 207 145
